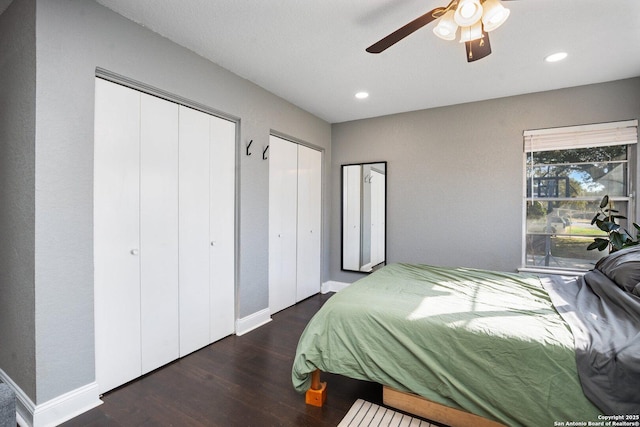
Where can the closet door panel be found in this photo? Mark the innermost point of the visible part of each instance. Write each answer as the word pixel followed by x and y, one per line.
pixel 377 217
pixel 382 219
pixel 309 220
pixel 222 224
pixel 283 171
pixel 116 235
pixel 159 232
pixel 194 229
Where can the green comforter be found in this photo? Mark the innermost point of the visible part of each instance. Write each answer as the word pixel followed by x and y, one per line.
pixel 486 342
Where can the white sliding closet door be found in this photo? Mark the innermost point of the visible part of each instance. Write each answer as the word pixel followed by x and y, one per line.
pixel 222 225
pixel 378 183
pixel 207 233
pixel 283 205
pixel 116 234
pixel 164 231
pixel 194 230
pixel 158 232
pixel 309 213
pixel 295 193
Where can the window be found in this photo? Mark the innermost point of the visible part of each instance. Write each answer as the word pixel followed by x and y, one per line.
pixel 568 171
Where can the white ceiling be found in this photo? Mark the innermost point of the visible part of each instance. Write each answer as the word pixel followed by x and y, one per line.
pixel 312 53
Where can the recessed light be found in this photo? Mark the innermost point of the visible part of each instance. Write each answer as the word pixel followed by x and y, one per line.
pixel 362 95
pixel 555 57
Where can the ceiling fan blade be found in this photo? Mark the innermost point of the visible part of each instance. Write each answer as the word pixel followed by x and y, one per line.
pixel 478 49
pixel 403 32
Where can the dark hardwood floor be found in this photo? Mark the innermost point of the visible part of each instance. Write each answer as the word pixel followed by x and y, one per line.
pixel 238 381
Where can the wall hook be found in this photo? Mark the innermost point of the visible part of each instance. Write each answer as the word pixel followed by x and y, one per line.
pixel 249 145
pixel 264 153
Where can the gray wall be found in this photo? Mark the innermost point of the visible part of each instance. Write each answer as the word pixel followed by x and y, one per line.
pixel 17 196
pixel 73 37
pixel 455 174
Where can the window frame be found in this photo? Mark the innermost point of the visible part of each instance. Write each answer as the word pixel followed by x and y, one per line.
pixel 575 137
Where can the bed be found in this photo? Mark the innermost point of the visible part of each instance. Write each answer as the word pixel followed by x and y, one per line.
pixel 479 342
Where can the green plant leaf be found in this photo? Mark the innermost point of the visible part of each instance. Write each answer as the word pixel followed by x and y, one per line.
pixel 601 225
pixel 599 244
pixel 607 226
pixel 617 240
pixel 617 237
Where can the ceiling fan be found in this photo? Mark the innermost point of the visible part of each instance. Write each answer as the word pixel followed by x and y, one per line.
pixel 476 18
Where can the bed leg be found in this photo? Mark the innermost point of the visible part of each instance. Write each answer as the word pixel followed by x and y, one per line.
pixel 317 394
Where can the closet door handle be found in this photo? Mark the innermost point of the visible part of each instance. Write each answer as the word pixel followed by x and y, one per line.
pixel 134 252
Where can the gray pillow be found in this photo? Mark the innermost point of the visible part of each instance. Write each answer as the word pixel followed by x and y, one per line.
pixel 623 267
pixel 636 290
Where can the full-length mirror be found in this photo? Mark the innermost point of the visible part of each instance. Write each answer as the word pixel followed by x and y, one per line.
pixel 364 201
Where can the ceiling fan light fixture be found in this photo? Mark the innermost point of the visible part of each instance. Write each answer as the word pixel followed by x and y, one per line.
pixel 471 33
pixel 494 15
pixel 474 17
pixel 468 13
pixel 447 27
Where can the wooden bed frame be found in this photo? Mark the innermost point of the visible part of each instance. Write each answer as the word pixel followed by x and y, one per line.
pixel 407 402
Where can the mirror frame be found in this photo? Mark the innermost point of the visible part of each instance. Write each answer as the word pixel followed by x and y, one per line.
pixel 342 219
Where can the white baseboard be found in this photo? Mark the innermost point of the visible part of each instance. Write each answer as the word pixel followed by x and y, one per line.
pixel 67 406
pixel 262 317
pixel 55 411
pixel 333 286
pixel 252 321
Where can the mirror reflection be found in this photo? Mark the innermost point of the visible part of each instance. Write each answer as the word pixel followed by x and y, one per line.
pixel 364 216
